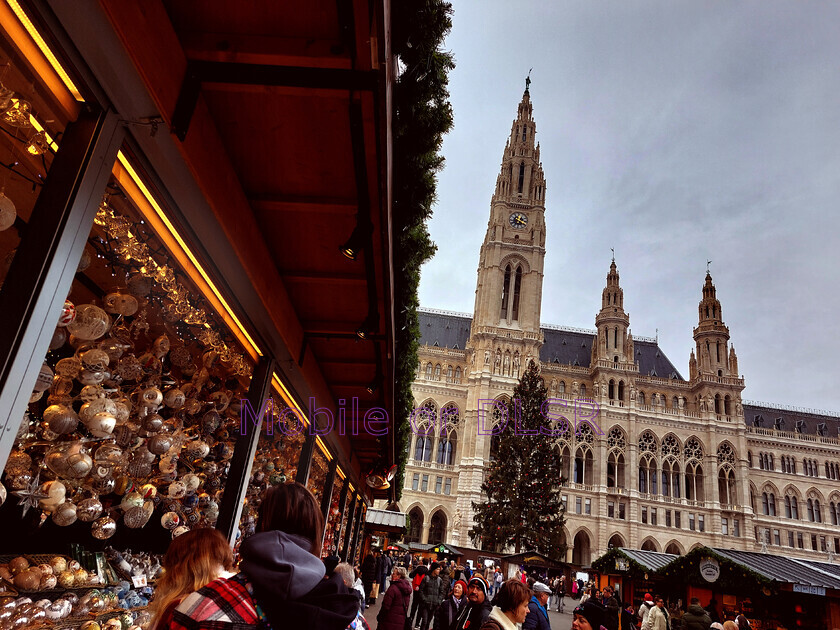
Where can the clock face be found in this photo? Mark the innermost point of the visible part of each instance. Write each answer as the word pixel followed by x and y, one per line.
pixel 518 220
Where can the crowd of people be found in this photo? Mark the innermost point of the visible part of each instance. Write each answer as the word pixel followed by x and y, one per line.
pixel 282 582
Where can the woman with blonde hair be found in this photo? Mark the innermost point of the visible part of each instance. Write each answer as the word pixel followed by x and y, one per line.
pixel 194 558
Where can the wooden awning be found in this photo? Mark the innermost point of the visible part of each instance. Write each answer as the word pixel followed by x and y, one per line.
pixel 281 113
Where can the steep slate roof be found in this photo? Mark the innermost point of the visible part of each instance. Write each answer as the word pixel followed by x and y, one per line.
pixel 452 330
pixel 444 329
pixel 810 420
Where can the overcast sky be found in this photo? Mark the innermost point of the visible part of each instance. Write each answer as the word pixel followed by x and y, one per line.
pixel 675 132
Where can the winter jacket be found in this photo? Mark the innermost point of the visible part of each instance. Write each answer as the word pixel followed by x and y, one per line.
pixel 537 618
pixel 395 606
pixel 644 611
pixel 696 618
pixel 432 591
pixel 473 616
pixel 657 619
pixel 281 582
pixel 447 613
pixel 369 570
pixel 498 621
pixel 611 614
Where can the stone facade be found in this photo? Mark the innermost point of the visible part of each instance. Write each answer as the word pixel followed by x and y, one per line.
pixel 652 461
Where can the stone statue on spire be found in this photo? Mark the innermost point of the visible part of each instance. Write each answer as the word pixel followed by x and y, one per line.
pixel 528 80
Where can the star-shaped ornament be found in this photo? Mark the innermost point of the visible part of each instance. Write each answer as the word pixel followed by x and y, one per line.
pixel 30 497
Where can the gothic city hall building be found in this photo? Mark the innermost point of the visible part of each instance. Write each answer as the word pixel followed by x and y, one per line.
pixel 667 464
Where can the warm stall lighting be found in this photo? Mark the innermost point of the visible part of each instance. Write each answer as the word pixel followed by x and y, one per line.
pixel 323 448
pixel 33 47
pixel 152 212
pixel 280 388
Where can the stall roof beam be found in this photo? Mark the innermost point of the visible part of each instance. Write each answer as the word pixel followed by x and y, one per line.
pixel 201 72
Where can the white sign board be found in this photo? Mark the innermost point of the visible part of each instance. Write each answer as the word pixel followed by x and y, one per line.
pixel 709 569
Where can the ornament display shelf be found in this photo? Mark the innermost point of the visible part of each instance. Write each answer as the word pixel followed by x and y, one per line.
pixel 73 623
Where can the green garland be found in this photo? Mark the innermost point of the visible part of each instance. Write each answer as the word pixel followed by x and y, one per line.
pixel 422 115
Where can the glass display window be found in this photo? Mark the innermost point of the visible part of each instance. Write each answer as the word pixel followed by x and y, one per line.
pixel 32 121
pixel 318 472
pixel 276 458
pixel 132 422
pixel 332 529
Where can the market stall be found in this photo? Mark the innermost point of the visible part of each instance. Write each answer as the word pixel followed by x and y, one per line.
pixel 162 335
pixel 534 563
pixel 633 572
pixel 771 591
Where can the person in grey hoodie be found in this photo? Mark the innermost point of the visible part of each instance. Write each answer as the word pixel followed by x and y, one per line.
pixel 281 580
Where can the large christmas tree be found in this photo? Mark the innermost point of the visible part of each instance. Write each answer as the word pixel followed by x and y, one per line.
pixel 523 509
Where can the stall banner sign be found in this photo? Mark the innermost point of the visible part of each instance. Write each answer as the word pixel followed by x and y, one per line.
pixel 620 564
pixel 810 590
pixel 532 559
pixel 709 569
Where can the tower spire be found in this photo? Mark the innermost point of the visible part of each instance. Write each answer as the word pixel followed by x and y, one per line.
pixel 615 344
pixel 711 335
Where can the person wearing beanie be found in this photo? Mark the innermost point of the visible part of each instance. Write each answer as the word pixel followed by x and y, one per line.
pixel 447 613
pixel 432 591
pixel 478 607
pixel 588 616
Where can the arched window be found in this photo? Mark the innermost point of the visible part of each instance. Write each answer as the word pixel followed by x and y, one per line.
pixel 833 509
pixel 437 529
pixel 505 294
pixel 727 405
pixel 611 390
pixel 749 459
pixel 446 448
pixel 641 398
pixel 765 504
pixel 717 404
pixel 457 374
pixel 621 390
pixel 521 176
pixel 583 390
pixel 415 528
pixel 615 470
pixel 817 511
pixel 561 387
pixel 449 373
pixel 516 290
pixel 428 371
pixel 437 372
pixel 811 510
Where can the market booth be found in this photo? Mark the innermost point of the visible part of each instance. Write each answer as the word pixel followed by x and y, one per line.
pixel 633 571
pixel 771 591
pixel 533 562
pixel 197 289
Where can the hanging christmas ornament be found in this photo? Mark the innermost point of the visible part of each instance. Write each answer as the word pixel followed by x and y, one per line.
pixel 58 338
pixel 31 495
pixel 102 425
pixel 18 113
pixel 138 284
pixel 91 322
pixel 56 493
pixel 95 359
pixel 103 528
pixel 8 212
pixel 45 379
pixel 2 494
pixel 65 514
pixel 68 314
pixel 38 144
pixel 88 510
pixel 61 419
pixel 120 304
pixel 136 517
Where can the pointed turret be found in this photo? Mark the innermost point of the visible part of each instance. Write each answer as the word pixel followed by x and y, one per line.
pixel 614 343
pixel 692 367
pixel 521 176
pixel 711 335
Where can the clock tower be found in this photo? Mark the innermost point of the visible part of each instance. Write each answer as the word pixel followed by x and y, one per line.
pixel 510 266
pixel 505 332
